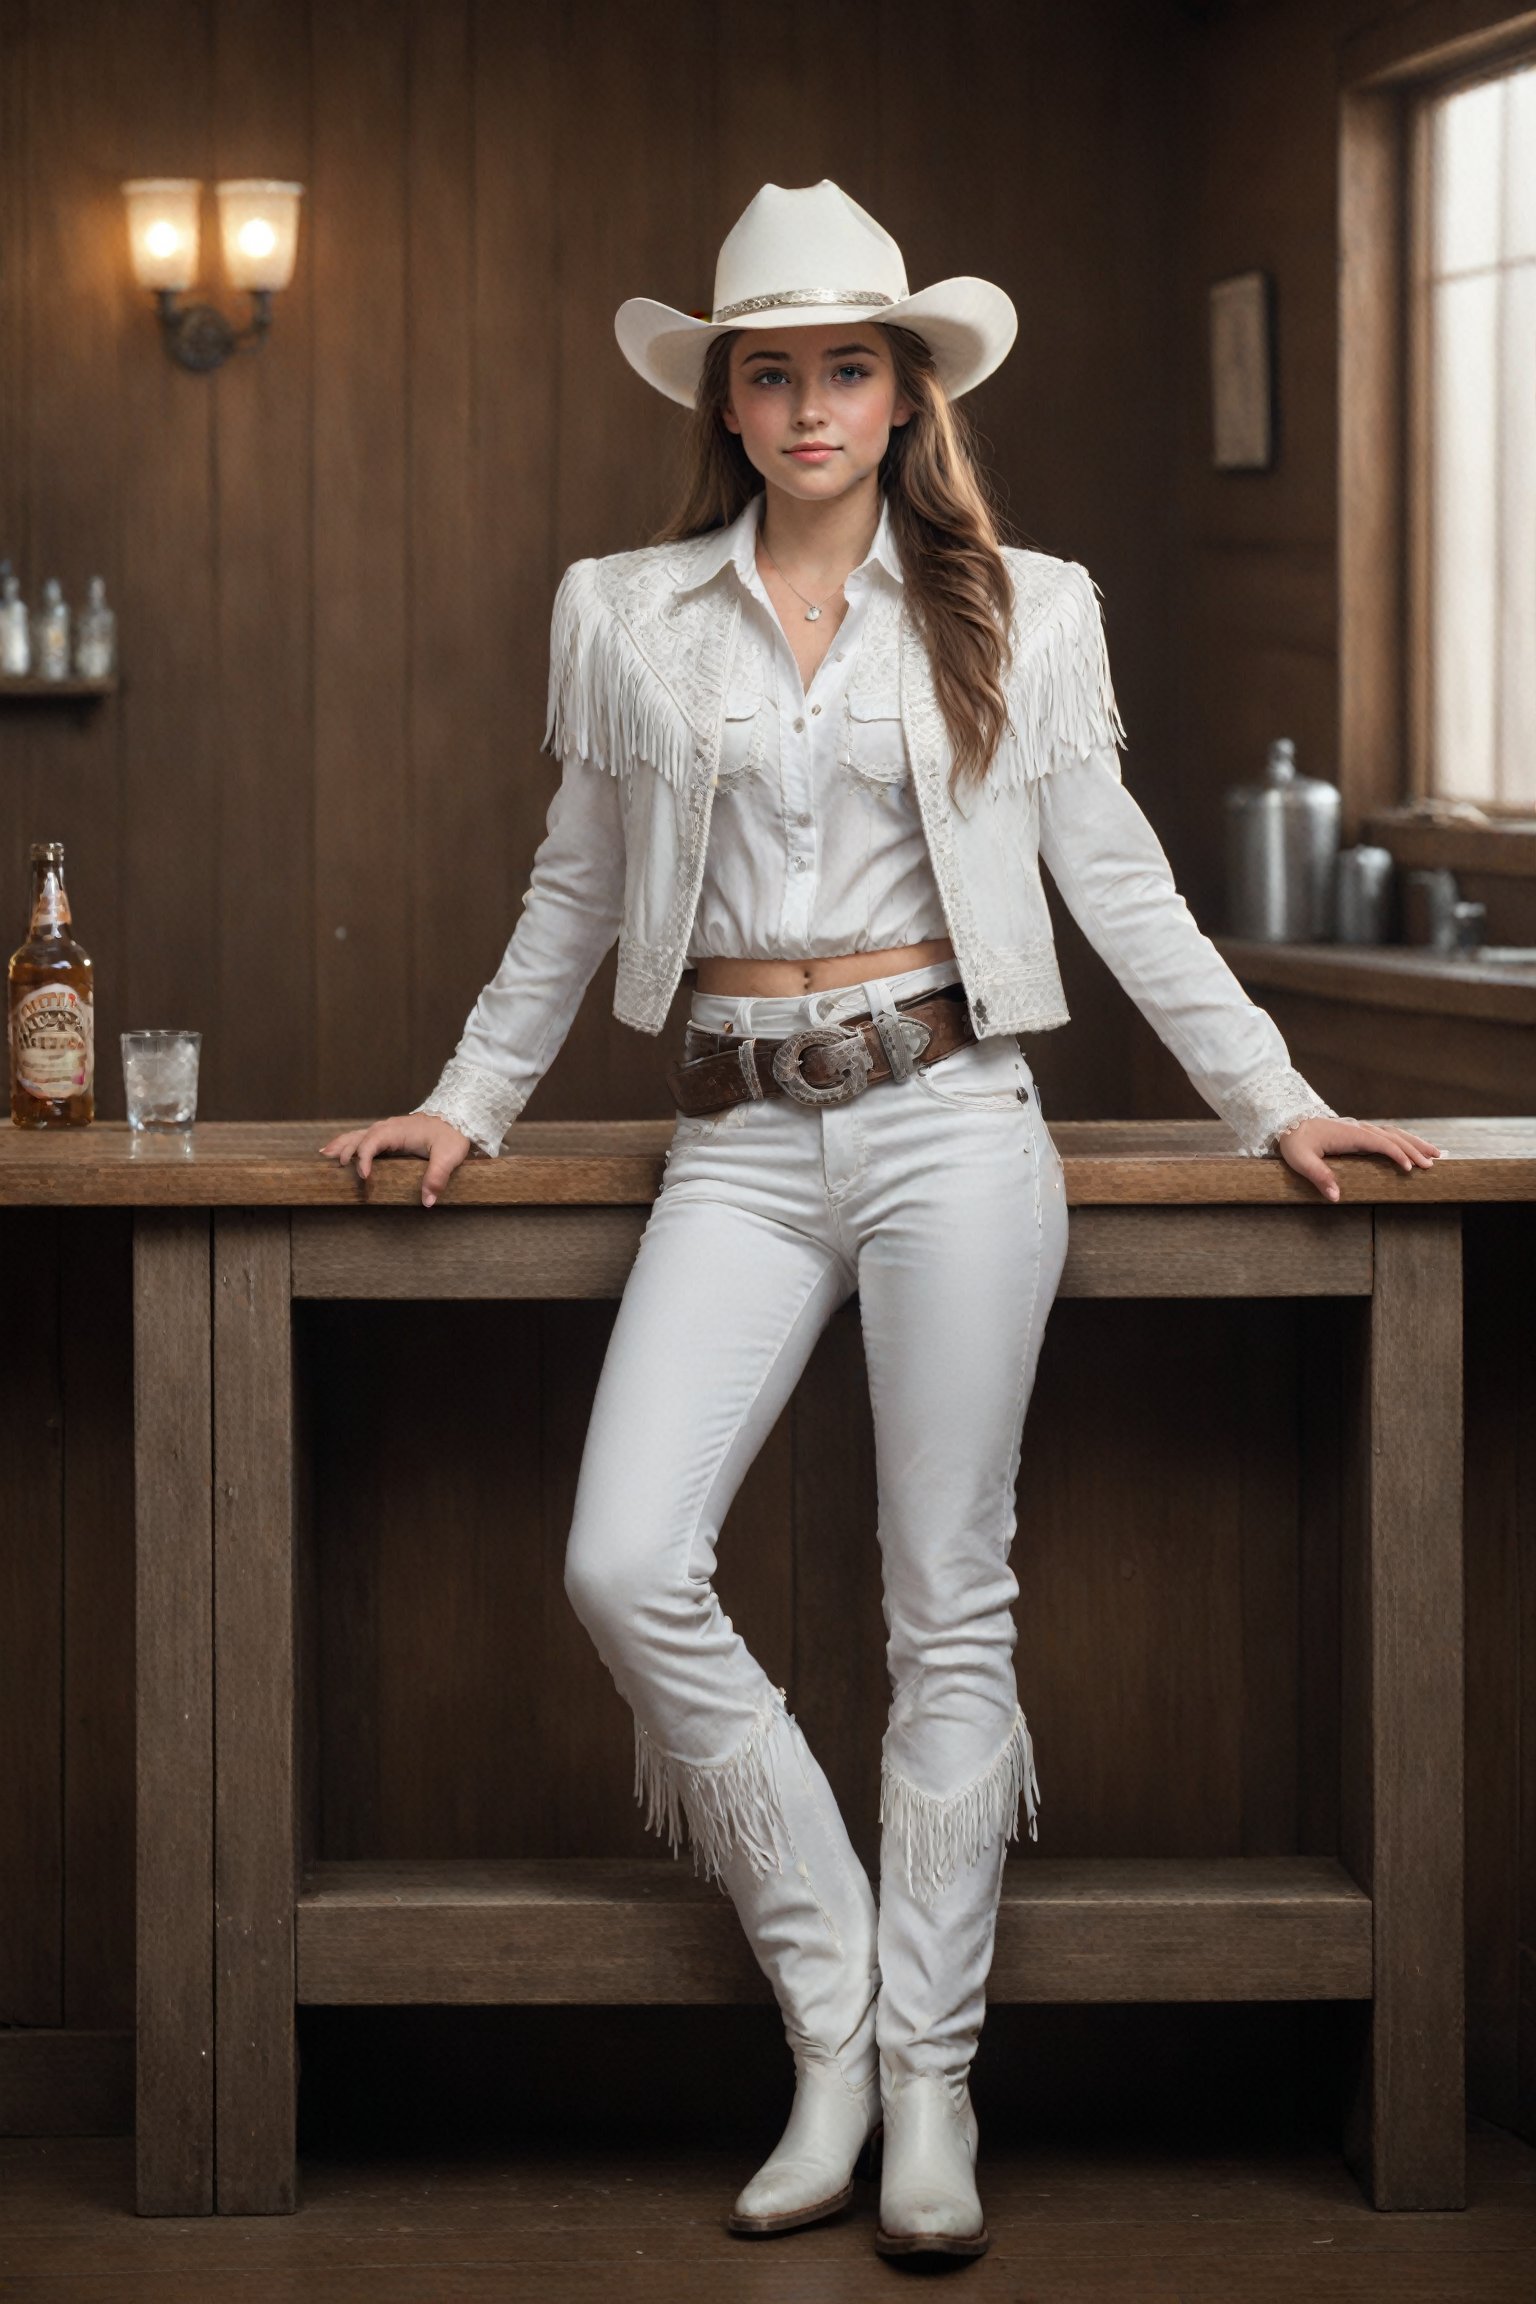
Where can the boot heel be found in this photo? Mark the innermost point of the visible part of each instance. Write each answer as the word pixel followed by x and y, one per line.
pixel 867 2165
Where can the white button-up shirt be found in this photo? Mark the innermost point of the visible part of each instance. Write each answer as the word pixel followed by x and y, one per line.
pixel 816 845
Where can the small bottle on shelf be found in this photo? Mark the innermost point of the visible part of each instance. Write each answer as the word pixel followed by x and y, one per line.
pixel 15 633
pixel 53 633
pixel 52 1009
pixel 96 635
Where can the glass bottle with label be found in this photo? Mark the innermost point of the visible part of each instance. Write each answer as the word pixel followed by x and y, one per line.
pixel 52 1009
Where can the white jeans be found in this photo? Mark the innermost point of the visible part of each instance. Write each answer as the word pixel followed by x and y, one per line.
pixel 940 1200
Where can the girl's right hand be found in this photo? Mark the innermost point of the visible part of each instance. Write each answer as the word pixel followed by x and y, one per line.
pixel 438 1142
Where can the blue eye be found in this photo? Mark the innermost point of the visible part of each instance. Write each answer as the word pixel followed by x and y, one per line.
pixel 769 376
pixel 850 368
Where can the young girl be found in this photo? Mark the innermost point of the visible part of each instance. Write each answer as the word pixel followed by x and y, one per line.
pixel 813 745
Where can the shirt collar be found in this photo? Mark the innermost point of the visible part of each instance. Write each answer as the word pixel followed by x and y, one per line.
pixel 735 546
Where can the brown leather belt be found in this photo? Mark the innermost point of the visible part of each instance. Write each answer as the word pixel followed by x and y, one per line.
pixel 824 1063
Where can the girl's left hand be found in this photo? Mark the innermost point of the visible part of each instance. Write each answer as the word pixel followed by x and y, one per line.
pixel 1303 1147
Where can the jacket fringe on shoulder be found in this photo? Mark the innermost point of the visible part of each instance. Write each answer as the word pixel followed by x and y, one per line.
pixel 606 701
pixel 1061 703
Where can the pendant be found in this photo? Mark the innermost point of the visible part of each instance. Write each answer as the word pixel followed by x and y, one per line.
pixel 811 615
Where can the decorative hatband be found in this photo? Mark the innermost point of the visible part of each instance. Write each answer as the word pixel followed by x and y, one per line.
pixel 871 297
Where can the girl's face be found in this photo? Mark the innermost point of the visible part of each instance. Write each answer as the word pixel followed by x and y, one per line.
pixel 814 407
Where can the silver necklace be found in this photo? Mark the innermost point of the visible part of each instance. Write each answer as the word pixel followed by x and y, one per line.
pixel 812 608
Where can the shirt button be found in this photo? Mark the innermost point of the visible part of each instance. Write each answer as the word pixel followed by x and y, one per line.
pixel 799 727
pixel 815 708
pixel 800 863
pixel 802 819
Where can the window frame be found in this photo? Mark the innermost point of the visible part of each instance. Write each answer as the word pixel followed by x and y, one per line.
pixel 1419 102
pixel 1387 72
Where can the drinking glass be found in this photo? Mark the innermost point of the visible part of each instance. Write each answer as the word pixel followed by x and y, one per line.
pixel 160 1078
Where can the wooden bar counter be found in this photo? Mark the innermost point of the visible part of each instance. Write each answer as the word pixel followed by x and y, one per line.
pixel 243 1913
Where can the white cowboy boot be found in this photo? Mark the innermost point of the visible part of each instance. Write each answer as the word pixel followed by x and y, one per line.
pixel 812 1925
pixel 833 2133
pixel 928 2199
pixel 941 1875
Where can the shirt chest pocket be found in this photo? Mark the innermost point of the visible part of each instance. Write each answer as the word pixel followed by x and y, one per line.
pixel 746 737
pixel 874 746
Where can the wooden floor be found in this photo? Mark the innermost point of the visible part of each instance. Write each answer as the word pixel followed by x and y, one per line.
pixel 1127 2224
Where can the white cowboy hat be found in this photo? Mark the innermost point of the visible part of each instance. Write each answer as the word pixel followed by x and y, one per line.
pixel 812 258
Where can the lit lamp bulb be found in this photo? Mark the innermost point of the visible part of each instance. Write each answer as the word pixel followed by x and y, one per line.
pixel 162 230
pixel 260 219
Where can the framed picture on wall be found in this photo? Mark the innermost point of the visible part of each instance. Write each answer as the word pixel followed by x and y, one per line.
pixel 1242 373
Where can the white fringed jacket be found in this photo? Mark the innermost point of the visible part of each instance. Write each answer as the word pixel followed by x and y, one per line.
pixel 643 649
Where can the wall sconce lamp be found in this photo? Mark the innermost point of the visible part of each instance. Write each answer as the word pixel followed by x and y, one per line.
pixel 260 220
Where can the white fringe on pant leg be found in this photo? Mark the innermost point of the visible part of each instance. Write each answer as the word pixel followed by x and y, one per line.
pixel 943 1835
pixel 731 1803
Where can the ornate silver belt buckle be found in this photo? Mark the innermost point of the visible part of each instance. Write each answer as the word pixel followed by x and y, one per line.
pixel 851 1057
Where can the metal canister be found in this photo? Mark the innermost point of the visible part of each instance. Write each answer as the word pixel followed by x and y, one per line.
pixel 1363 895
pixel 1282 852
pixel 1430 897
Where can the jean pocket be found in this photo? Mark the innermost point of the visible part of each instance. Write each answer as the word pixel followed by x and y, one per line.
pixel 985 1075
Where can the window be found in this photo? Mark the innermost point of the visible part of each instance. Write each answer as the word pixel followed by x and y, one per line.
pixel 1472 430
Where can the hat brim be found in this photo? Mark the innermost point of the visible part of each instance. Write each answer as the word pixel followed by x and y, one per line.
pixel 967 324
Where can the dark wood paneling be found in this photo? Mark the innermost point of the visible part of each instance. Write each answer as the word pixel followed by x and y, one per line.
pixel 1136 1647
pixel 584 1801
pixel 96 1366
pixel 840 1682
pixel 358 212
pixel 1500 1253
pixel 487 812
pixel 32 1629
pixel 259 1058
pixel 62 492
pixel 167 899
pixel 454 869
pixel 55 2083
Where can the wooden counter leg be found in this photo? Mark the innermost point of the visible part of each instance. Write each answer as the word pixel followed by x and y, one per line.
pixel 1402 1806
pixel 256 1871
pixel 173 1504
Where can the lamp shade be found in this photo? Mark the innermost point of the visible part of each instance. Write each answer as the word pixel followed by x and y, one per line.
pixel 162 229
pixel 260 219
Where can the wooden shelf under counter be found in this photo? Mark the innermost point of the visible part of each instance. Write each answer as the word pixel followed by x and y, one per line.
pixel 633 1932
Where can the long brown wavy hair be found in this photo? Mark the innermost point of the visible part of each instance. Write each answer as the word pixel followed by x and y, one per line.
pixel 946 529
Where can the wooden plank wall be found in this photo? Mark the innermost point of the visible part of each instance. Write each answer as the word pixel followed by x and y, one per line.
pixel 305 822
